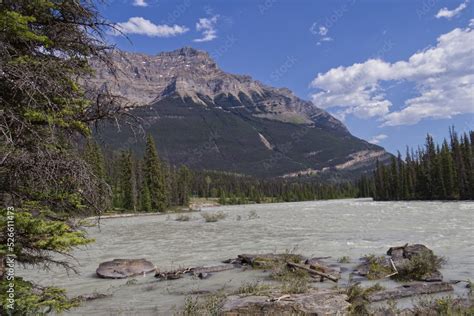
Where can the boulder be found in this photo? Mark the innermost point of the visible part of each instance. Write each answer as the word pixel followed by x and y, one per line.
pixel 124 268
pixel 399 261
pixel 315 302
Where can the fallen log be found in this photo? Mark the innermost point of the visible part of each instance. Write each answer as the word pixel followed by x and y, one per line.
pixel 173 274
pixel 201 272
pixel 408 290
pixel 313 272
pixel 212 269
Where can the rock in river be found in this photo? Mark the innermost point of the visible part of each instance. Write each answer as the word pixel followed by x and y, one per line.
pixel 124 268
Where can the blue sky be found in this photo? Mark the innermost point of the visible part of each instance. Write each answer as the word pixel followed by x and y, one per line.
pixel 392 70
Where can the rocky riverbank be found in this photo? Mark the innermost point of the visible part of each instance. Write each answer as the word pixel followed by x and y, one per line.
pixel 291 283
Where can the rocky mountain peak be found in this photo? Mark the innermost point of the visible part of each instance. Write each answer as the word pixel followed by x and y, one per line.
pixel 186 51
pixel 189 73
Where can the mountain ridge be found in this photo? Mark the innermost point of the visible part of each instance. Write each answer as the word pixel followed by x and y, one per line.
pixel 261 130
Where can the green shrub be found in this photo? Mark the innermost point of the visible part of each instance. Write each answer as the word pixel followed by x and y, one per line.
pixel 378 267
pixel 419 266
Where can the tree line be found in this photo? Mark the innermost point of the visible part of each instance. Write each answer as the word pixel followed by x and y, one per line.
pixel 433 172
pixel 150 184
pixel 232 188
pixel 142 184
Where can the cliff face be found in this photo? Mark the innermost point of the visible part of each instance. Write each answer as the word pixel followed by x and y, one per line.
pixel 206 118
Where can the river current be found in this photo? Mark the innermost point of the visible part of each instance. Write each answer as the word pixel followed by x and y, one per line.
pixel 335 228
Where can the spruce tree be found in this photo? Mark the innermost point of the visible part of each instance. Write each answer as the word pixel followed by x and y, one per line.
pixel 46 45
pixel 145 198
pixel 184 185
pixel 127 182
pixel 154 177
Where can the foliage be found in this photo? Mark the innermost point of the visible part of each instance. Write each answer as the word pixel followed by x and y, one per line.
pixel 209 305
pixel 154 176
pixel 254 288
pixel 419 266
pixel 446 306
pixel 432 173
pixel 34 300
pixel 45 116
pixel 358 297
pixel 344 259
pixel 240 189
pixel 38 237
pixel 293 281
pixel 378 267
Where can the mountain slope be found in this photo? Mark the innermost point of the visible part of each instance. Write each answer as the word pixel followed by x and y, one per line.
pixel 206 118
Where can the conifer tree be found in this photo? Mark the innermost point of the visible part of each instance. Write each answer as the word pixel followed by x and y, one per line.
pixel 184 185
pixel 154 176
pixel 45 47
pixel 127 182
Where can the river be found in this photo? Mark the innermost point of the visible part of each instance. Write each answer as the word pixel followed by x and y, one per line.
pixel 336 228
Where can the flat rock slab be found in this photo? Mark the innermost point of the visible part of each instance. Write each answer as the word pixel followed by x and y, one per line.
pixel 124 268
pixel 315 302
pixel 408 290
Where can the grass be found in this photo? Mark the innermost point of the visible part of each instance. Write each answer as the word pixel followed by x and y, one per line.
pixel 292 281
pixel 213 217
pixel 183 218
pixel 446 306
pixel 254 288
pixel 378 267
pixel 209 305
pixel 358 297
pixel 344 259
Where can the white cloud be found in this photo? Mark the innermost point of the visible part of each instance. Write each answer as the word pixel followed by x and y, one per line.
pixel 376 139
pixel 323 30
pixel 139 25
pixel 140 3
pixel 448 14
pixel 443 76
pixel 207 27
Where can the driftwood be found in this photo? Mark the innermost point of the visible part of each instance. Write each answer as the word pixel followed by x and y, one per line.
pixel 408 290
pixel 201 272
pixel 312 271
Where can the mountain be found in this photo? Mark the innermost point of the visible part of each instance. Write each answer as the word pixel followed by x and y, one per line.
pixel 206 118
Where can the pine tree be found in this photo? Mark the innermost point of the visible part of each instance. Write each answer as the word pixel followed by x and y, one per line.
pixel 145 198
pixel 154 176
pixel 127 182
pixel 184 185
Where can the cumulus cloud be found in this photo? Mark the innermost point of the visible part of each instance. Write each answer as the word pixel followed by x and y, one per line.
pixel 208 28
pixel 140 3
pixel 139 25
pixel 377 139
pixel 442 75
pixel 448 14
